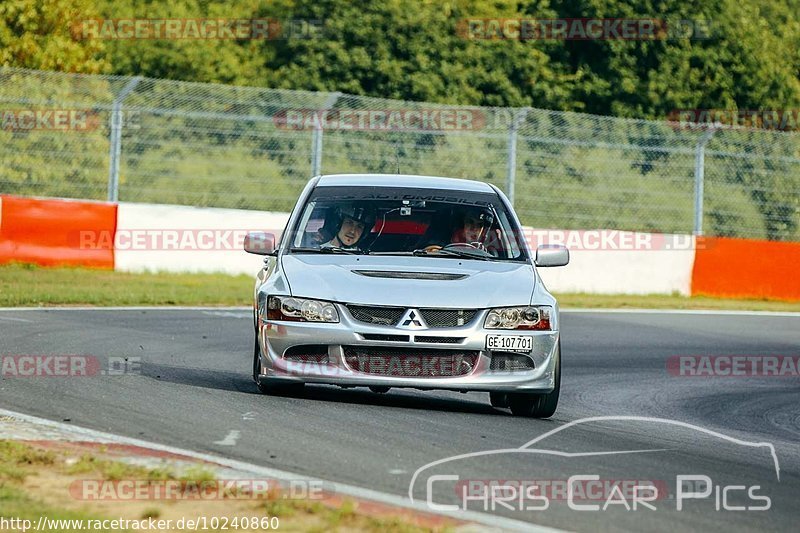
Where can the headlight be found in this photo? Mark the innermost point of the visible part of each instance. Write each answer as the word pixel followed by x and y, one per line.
pixel 535 318
pixel 300 310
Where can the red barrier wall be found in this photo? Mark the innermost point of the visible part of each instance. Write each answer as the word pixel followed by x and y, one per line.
pixel 47 232
pixel 746 268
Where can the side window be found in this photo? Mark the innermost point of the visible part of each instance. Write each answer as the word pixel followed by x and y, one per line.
pixel 300 239
pixel 317 220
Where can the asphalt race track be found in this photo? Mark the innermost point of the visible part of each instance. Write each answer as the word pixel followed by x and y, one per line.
pixel 189 386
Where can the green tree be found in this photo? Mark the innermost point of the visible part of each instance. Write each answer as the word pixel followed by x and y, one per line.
pixel 212 60
pixel 742 54
pixel 38 34
pixel 411 50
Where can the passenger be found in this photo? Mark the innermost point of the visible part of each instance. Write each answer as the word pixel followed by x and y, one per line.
pixel 472 230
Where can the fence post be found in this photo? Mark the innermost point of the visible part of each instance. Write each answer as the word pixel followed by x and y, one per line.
pixel 511 163
pixel 316 138
pixel 116 139
pixel 699 178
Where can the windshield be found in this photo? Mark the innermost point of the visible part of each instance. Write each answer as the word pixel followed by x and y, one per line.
pixel 407 221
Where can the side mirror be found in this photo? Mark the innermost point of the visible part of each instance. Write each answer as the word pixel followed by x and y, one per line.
pixel 551 255
pixel 259 242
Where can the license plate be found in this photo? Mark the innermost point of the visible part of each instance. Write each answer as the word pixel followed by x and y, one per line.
pixel 509 343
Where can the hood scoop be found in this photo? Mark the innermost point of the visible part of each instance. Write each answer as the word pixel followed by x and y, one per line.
pixel 395 274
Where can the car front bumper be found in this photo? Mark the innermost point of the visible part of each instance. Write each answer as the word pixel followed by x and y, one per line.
pixel 276 337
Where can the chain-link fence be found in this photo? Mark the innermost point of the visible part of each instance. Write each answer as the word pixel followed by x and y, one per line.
pixel 145 140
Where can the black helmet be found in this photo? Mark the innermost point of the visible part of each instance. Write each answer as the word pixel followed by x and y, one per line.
pixel 362 214
pixel 484 215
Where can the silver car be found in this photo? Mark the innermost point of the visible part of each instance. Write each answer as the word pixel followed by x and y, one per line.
pixel 387 281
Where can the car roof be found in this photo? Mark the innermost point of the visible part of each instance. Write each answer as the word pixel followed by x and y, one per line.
pixel 402 180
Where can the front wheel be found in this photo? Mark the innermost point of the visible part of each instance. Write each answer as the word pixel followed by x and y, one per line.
pixel 498 399
pixel 538 405
pixel 270 388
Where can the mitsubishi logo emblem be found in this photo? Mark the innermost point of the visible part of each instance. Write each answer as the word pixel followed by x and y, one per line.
pixel 412 320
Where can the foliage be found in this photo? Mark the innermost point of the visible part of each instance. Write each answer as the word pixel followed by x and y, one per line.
pixel 39 34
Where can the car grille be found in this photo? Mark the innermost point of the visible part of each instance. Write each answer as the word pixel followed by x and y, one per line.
pixel 387 338
pixel 387 316
pixel 413 363
pixel 447 318
pixel 439 340
pixel 390 316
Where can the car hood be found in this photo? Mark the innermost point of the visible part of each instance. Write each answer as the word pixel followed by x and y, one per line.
pixel 373 280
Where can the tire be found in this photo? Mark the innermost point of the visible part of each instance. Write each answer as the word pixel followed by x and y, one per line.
pixel 270 388
pixel 538 405
pixel 379 390
pixel 498 399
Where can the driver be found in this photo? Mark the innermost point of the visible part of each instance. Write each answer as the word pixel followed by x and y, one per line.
pixel 354 223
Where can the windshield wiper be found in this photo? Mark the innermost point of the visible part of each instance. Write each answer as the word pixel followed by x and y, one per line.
pixel 329 250
pixel 453 253
pixel 398 252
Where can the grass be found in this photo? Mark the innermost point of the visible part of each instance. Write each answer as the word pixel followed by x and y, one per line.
pixel 17 462
pixel 37 482
pixel 28 285
pixel 115 470
pixel 14 457
pixel 671 301
pixel 16 503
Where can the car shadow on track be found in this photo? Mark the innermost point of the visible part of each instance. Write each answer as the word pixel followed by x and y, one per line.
pixel 400 398
pixel 199 377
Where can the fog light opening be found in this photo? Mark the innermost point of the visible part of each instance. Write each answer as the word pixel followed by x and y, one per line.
pixel 510 362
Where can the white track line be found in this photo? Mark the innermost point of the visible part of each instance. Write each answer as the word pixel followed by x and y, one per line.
pixel 14 319
pixel 230 439
pixel 492 521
